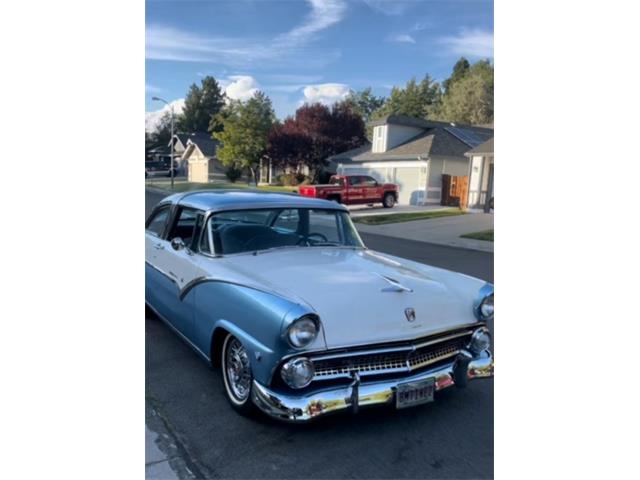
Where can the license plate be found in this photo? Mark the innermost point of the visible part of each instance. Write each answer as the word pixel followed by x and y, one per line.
pixel 415 393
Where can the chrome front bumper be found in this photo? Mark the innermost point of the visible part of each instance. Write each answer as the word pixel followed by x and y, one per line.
pixel 306 407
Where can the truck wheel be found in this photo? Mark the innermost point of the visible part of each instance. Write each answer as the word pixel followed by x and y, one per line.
pixel 335 198
pixel 389 200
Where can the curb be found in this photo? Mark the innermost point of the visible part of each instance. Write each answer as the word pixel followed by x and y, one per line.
pixel 439 244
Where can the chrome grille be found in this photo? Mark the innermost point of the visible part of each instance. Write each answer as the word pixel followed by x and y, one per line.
pixel 400 359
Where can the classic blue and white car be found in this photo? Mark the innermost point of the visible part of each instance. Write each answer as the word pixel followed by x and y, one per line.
pixel 280 292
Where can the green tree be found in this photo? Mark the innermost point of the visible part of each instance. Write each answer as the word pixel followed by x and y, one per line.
pixel 414 100
pixel 201 104
pixel 364 102
pixel 245 130
pixel 470 98
pixel 162 134
pixel 460 69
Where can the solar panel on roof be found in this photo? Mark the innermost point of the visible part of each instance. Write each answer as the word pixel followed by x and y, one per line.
pixel 472 138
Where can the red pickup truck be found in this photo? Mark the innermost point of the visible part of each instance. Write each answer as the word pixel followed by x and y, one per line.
pixel 353 189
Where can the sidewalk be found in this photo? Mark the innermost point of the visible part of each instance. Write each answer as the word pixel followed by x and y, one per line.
pixel 443 231
pixel 156 462
pixel 165 457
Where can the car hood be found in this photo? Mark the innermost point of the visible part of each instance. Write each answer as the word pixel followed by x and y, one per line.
pixel 361 295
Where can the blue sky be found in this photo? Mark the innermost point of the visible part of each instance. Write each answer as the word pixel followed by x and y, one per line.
pixel 308 50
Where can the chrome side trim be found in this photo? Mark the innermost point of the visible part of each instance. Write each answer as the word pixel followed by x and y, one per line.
pixel 199 280
pixel 189 285
pixel 182 293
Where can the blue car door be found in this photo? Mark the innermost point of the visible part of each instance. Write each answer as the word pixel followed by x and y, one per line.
pixel 173 266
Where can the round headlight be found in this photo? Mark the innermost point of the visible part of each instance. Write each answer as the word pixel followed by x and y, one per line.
pixel 480 340
pixel 302 332
pixel 486 308
pixel 297 373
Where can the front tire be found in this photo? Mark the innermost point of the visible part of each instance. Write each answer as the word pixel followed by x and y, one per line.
pixel 389 200
pixel 237 376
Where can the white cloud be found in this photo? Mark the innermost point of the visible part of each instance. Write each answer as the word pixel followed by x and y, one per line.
pixel 152 119
pixel 326 93
pixel 470 43
pixel 389 7
pixel 401 38
pixel 324 13
pixel 152 88
pixel 168 43
pixel 240 87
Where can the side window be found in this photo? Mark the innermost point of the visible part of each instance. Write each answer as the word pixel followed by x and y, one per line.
pixel 186 226
pixel 157 222
pixel 287 221
pixel 369 182
pixel 354 181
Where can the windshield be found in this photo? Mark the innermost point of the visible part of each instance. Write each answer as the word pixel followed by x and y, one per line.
pixel 262 229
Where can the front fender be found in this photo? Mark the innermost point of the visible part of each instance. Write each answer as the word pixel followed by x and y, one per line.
pixel 255 317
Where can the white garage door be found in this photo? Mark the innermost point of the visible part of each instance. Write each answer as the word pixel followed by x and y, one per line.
pixel 408 180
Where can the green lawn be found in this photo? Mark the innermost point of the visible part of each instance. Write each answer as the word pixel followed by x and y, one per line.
pixel 407 217
pixel 486 235
pixel 183 186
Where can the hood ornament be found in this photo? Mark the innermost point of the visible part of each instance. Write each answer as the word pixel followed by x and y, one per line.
pixel 394 285
pixel 410 313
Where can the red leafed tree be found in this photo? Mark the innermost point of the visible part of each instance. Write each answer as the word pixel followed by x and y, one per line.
pixel 315 133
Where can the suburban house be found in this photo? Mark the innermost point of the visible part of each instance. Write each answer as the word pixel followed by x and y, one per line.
pixel 413 153
pixel 195 155
pixel 481 175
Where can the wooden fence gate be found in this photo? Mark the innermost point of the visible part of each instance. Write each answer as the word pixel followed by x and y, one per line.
pixel 455 191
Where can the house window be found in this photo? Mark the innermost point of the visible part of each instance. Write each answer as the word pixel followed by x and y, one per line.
pixel 378 139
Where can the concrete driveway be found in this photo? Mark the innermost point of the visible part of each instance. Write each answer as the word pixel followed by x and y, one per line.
pixel 443 231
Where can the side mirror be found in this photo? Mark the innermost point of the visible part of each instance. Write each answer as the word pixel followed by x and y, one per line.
pixel 177 243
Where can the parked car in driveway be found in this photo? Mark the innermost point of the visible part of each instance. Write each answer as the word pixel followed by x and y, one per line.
pixel 280 292
pixel 353 189
pixel 156 168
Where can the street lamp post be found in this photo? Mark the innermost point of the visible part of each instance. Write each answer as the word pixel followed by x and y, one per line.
pixel 158 99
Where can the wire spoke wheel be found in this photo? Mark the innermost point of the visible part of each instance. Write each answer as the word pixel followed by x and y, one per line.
pixel 237 370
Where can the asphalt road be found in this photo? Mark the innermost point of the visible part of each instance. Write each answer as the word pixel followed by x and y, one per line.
pixel 450 438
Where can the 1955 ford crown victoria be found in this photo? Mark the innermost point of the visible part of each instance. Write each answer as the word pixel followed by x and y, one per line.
pixel 280 292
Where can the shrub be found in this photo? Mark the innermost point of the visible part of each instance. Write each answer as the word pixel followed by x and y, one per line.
pixel 233 174
pixel 300 178
pixel 287 179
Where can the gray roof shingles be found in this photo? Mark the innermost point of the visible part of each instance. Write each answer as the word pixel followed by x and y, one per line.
pixel 203 140
pixel 434 141
pixel 485 148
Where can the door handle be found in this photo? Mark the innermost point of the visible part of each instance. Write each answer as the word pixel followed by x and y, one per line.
pixel 158 246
